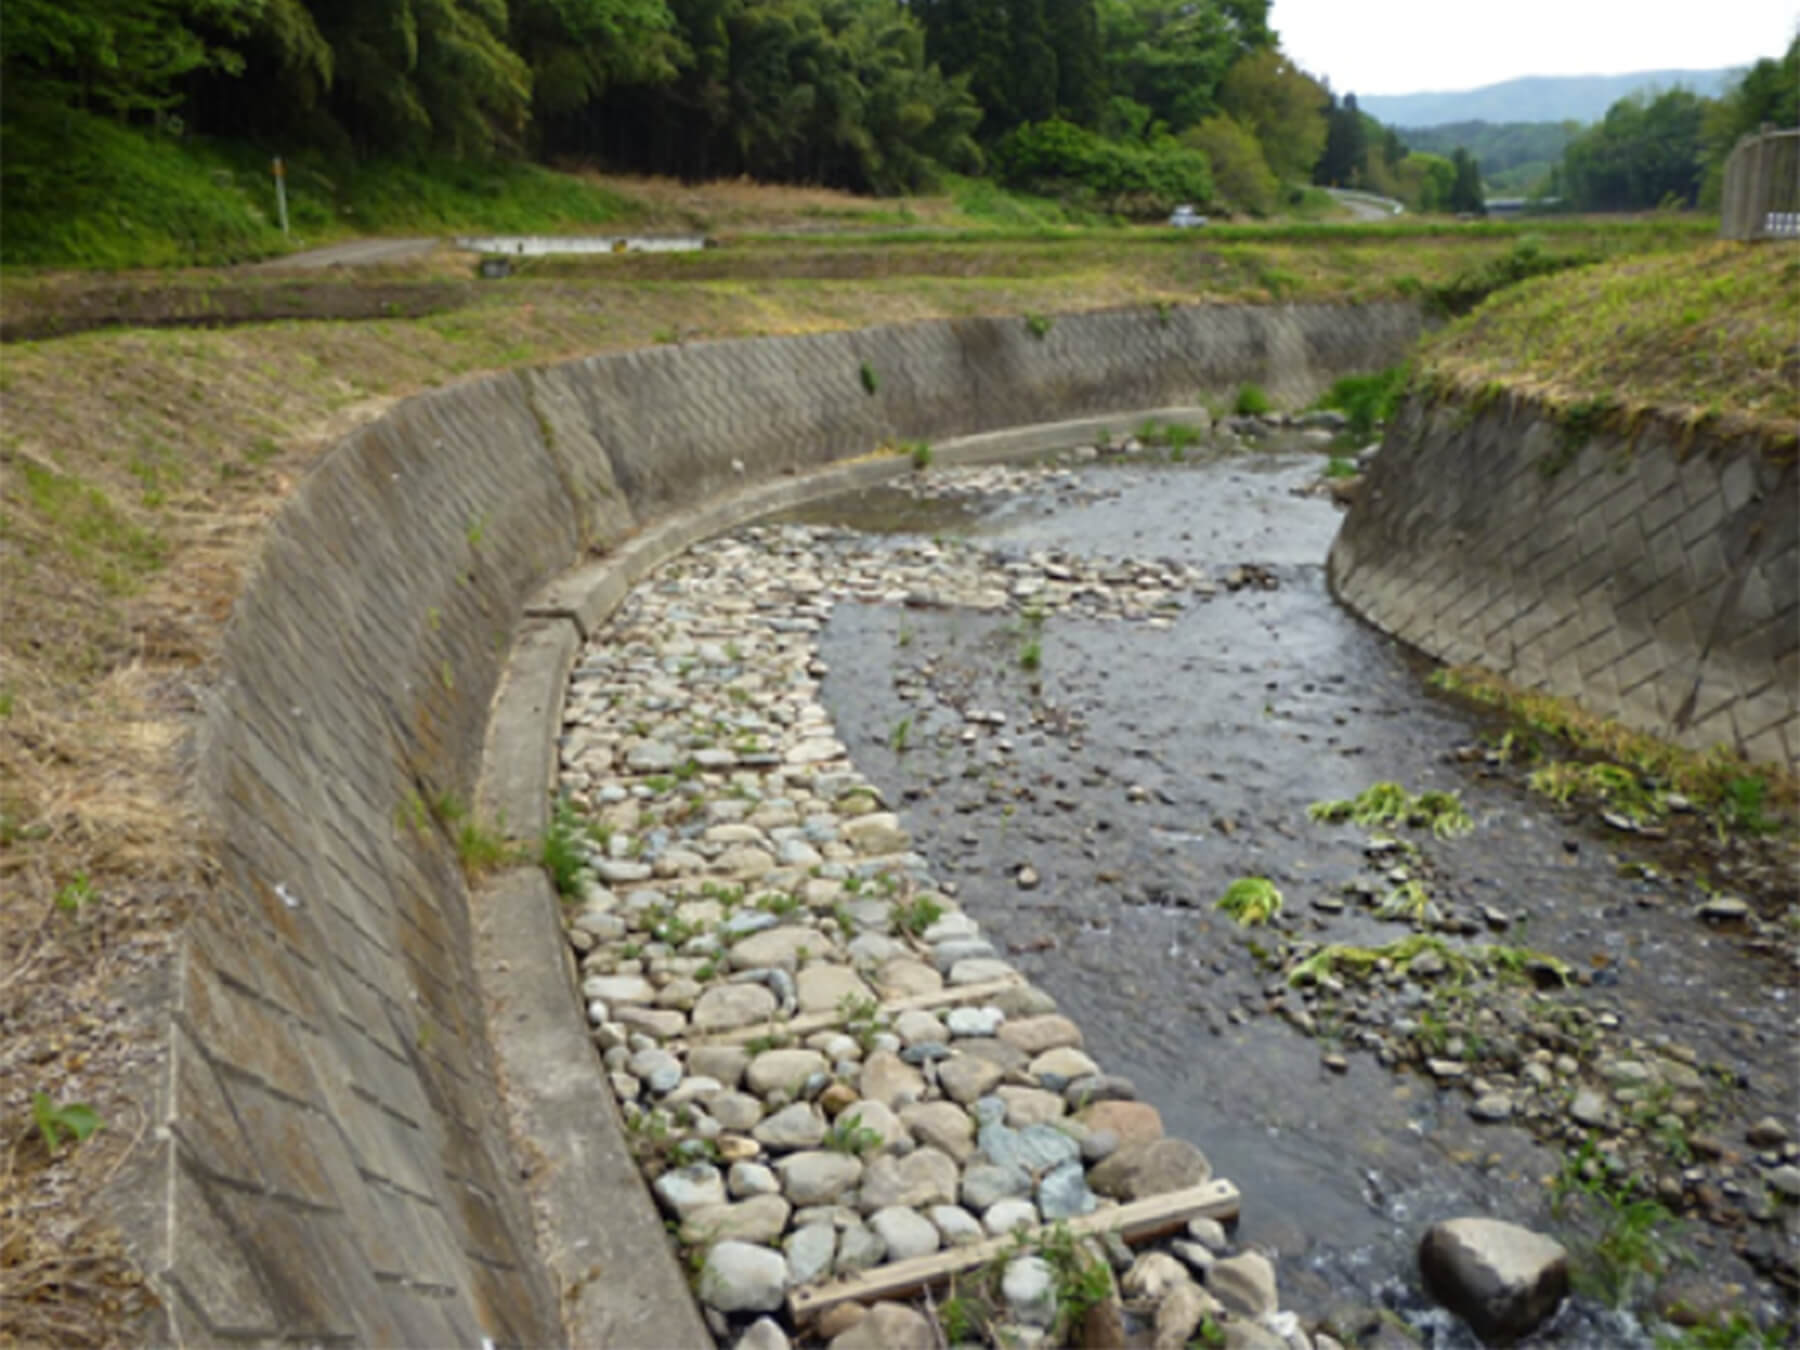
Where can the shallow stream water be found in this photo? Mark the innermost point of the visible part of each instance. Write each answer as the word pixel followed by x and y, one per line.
pixel 1142 768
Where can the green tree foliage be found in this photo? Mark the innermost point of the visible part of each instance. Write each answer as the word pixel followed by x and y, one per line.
pixel 577 49
pixel 1346 153
pixel 107 56
pixel 838 92
pixel 1515 156
pixel 1170 56
pixel 1241 175
pixel 1465 184
pixel 1424 182
pixel 1283 106
pixel 1073 29
pixel 1060 159
pixel 1642 153
pixel 1089 96
pixel 1768 93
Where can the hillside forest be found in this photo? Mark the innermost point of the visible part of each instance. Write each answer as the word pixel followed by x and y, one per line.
pixel 1116 107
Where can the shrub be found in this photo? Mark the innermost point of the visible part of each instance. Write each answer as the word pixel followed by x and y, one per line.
pixel 1252 401
pixel 1056 158
pixel 1240 173
pixel 1471 286
pixel 1368 400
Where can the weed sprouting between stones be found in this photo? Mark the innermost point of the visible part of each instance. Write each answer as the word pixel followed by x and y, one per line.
pixel 915 916
pixel 849 1135
pixel 560 853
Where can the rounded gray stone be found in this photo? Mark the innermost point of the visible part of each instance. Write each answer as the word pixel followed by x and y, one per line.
pixel 687 1189
pixel 793 1127
pixel 727 1007
pixel 1029 1287
pixel 906 1232
pixel 743 1277
pixel 1245 1284
pixel 1500 1278
pixel 817 1177
pixel 809 1252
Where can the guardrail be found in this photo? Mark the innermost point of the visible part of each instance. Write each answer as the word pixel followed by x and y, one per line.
pixel 1761 199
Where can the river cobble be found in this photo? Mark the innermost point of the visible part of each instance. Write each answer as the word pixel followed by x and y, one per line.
pixel 823 1064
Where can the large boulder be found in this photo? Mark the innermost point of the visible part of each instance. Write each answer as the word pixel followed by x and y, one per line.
pixel 1503 1280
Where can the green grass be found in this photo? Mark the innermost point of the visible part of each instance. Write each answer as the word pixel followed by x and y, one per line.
pixel 1735 793
pixel 1392 804
pixel 1368 400
pixel 560 852
pixel 86 191
pixel 1251 401
pixel 94 536
pixel 1637 1239
pixel 1705 331
pixel 1251 900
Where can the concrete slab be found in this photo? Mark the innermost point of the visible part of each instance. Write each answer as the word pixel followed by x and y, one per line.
pixel 518 768
pixel 599 1232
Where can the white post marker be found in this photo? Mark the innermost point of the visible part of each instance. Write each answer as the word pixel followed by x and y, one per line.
pixel 281 195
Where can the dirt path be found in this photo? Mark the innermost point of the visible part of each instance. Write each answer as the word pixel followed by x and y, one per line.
pixel 353 253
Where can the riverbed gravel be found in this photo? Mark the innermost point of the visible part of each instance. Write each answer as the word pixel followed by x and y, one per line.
pixel 824 1061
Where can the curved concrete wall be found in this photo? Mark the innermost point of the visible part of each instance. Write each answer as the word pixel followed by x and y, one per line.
pixel 1653 576
pixel 338 1159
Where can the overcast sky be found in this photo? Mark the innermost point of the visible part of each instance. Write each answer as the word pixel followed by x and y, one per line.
pixel 1413 46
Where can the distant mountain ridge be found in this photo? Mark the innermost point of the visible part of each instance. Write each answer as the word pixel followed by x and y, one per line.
pixel 1537 98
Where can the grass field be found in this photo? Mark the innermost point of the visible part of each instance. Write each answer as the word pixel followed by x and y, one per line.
pixel 1706 332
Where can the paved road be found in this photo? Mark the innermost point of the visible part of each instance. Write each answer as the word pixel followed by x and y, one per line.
pixel 1365 205
pixel 355 253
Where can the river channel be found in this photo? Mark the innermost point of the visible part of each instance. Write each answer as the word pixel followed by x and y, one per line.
pixel 1142 767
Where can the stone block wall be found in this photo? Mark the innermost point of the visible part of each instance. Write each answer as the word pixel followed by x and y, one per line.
pixel 1653 576
pixel 336 1166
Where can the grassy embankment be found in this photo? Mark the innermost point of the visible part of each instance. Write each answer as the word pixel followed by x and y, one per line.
pixel 84 191
pixel 1705 334
pixel 137 469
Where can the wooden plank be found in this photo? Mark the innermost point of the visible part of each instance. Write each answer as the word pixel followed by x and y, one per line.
pixel 1139 1221
pixel 807 1023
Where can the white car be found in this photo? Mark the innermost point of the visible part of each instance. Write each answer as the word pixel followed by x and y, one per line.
pixel 1184 217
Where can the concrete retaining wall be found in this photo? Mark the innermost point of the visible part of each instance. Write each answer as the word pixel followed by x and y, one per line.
pixel 1653 576
pixel 338 1165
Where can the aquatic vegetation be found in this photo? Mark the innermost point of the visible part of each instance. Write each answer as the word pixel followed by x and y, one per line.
pixel 1408 900
pixel 1357 962
pixel 1614 786
pixel 1389 803
pixel 1251 900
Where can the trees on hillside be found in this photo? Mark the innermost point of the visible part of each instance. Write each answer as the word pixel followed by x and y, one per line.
pixel 865 94
pixel 1643 153
pixel 104 56
pixel 1282 105
pixel 1768 93
pixel 1346 146
pixel 1465 184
